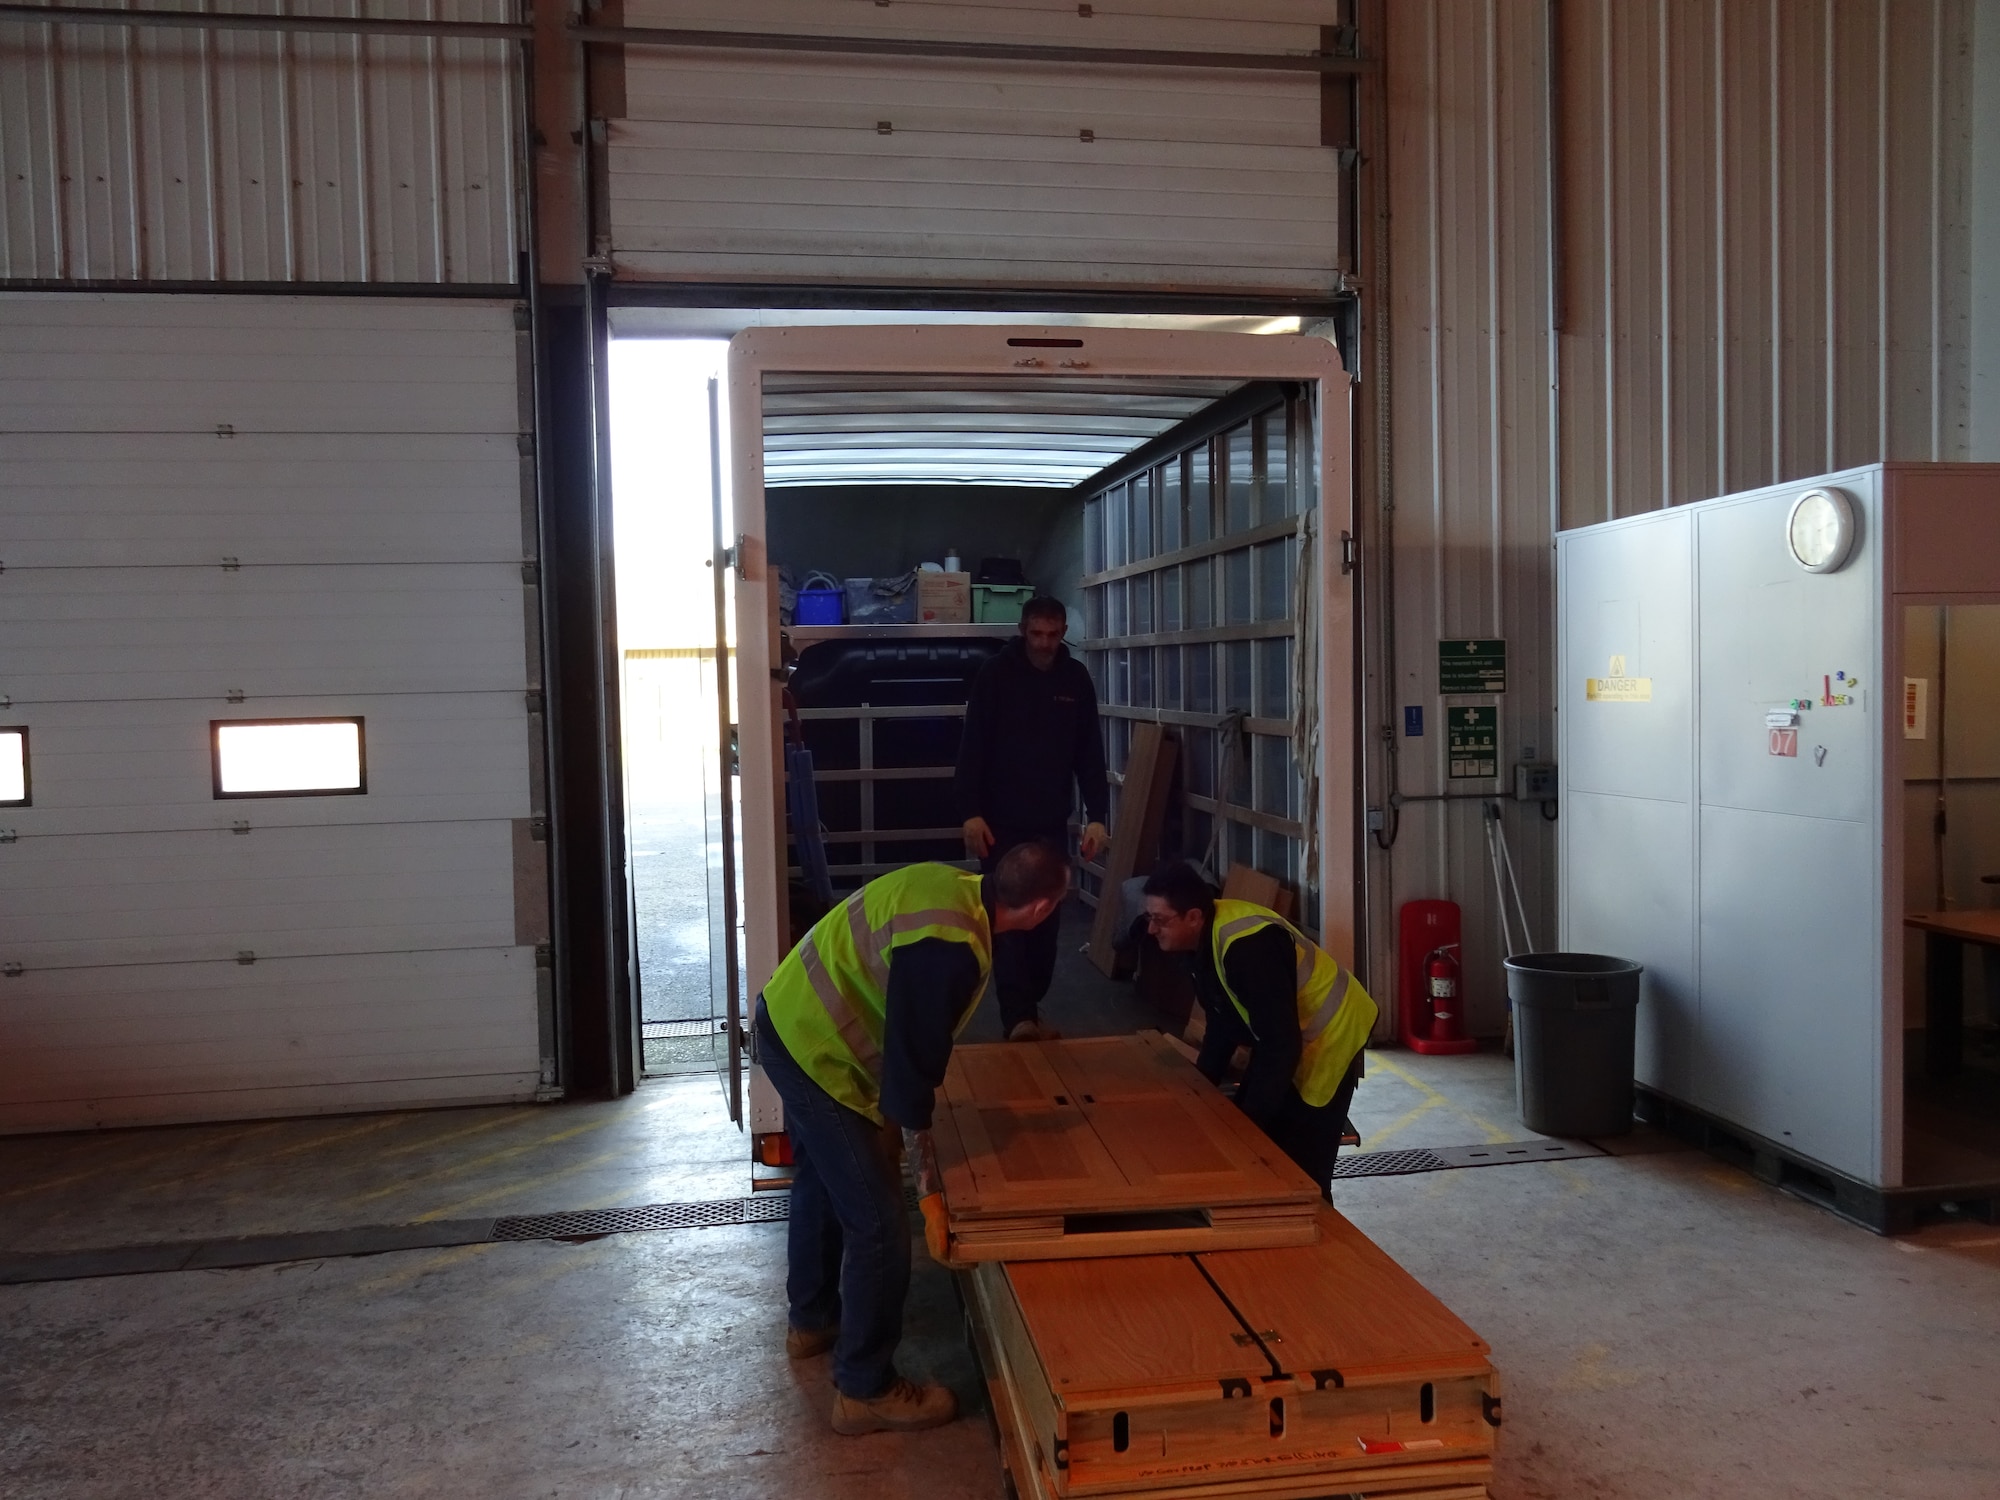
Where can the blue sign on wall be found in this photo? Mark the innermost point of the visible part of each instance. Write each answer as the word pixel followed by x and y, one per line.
pixel 1413 722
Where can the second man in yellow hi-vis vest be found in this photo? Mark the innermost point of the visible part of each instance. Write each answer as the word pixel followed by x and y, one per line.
pixel 854 1031
pixel 1262 983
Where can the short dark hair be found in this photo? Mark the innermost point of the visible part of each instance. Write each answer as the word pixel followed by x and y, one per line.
pixel 1030 872
pixel 1045 607
pixel 1181 886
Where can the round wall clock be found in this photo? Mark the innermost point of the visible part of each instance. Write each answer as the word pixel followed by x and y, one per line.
pixel 1821 529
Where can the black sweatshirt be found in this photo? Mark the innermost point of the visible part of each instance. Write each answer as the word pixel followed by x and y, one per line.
pixel 1030 735
pixel 1263 970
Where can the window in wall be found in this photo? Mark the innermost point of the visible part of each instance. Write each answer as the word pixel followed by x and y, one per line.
pixel 288 757
pixel 14 767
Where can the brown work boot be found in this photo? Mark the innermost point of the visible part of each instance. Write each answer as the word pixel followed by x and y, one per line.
pixel 810 1343
pixel 1033 1031
pixel 904 1407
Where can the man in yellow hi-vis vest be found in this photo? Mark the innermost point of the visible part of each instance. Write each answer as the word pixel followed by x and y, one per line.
pixel 1262 983
pixel 854 1031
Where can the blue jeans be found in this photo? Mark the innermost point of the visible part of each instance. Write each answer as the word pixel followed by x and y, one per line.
pixel 849 1244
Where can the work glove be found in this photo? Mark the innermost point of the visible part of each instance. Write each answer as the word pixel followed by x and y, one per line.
pixel 937 1234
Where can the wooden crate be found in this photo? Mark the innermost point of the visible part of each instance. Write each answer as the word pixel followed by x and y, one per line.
pixel 1106 1146
pixel 1305 1371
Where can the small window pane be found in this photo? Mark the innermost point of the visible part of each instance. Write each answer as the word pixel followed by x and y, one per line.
pixel 1093 613
pixel 1238 691
pixel 1237 757
pixel 1274 580
pixel 1142 677
pixel 1115 553
pixel 1243 480
pixel 1199 664
pixel 1169 487
pixel 1093 535
pixel 1274 774
pixel 14 767
pixel 1170 676
pixel 299 757
pixel 1170 599
pixel 1142 516
pixel 1236 586
pixel 1121 678
pixel 1140 591
pixel 1277 467
pixel 1274 678
pixel 1114 608
pixel 1200 525
pixel 1242 844
pixel 1200 594
pixel 1200 749
pixel 1199 825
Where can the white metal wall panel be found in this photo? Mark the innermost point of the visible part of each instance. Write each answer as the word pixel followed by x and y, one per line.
pixel 1641 252
pixel 179 155
pixel 237 508
pixel 826 169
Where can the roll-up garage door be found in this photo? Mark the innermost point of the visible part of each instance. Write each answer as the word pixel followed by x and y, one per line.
pixel 271 548
pixel 793 167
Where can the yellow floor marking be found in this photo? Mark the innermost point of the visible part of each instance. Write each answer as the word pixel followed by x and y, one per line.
pixel 456 1169
pixel 221 1169
pixel 146 1159
pixel 1494 1134
pixel 508 1190
pixel 437 1261
pixel 452 1135
pixel 1403 1122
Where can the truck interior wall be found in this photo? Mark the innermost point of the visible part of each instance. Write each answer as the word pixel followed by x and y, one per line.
pixel 856 531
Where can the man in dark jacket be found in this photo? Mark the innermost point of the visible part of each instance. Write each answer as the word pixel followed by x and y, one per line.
pixel 1031 745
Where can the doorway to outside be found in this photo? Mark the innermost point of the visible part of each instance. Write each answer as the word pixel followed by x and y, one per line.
pixel 664 533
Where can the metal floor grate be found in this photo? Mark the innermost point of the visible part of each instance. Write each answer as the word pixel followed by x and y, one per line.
pixel 1388 1164
pixel 768 1208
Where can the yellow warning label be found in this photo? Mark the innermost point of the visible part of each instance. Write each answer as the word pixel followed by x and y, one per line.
pixel 1618 689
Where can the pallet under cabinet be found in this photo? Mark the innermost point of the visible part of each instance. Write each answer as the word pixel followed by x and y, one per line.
pixel 1277 1374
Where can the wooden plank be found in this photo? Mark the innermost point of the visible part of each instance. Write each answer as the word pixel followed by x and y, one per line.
pixel 1382 1324
pixel 1106 1146
pixel 1135 842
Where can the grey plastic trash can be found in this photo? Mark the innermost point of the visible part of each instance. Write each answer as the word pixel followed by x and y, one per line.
pixel 1573 1027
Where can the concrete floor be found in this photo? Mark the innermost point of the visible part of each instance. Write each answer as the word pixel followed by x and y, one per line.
pixel 1666 1325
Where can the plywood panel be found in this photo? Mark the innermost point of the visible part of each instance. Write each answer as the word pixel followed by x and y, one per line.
pixel 1105 1146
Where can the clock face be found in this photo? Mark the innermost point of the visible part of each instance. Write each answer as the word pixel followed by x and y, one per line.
pixel 1821 530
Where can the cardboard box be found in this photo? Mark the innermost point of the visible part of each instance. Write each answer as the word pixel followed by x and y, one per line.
pixel 944 598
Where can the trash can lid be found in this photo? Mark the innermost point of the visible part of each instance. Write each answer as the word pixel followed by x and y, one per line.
pixel 1597 964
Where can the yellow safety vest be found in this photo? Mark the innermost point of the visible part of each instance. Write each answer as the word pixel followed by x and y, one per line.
pixel 829 999
pixel 1335 1012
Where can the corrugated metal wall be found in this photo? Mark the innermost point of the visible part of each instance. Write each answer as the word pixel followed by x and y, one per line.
pixel 1755 266
pixel 179 155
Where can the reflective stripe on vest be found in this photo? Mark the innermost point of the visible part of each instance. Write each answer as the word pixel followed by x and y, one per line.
pixel 828 1000
pixel 1327 994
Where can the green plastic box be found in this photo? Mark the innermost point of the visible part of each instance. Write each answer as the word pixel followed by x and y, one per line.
pixel 999 603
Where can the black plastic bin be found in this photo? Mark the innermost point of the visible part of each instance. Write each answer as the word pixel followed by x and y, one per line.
pixel 1573 1027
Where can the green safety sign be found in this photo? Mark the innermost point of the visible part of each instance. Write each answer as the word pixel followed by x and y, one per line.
pixel 1472 743
pixel 1472 667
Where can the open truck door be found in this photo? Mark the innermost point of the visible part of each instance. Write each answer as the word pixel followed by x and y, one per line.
pixel 1072 418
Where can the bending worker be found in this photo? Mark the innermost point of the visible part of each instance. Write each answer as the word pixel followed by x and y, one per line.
pixel 1030 747
pixel 1263 984
pixel 854 1031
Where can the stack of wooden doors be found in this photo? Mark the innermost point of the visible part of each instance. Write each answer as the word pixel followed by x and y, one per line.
pixel 1162 1315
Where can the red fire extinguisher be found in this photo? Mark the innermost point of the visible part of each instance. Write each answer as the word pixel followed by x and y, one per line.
pixel 1441 985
